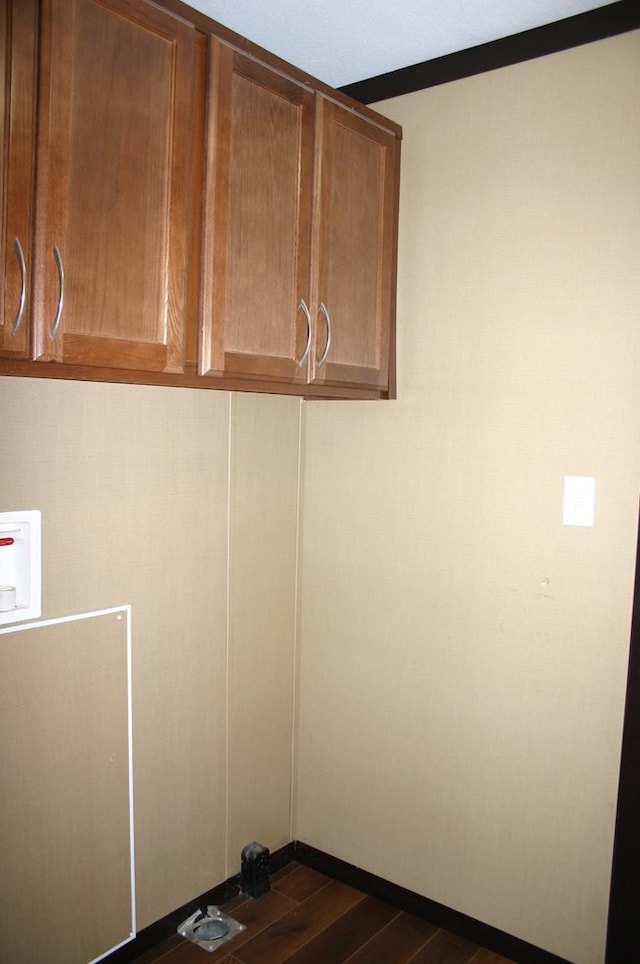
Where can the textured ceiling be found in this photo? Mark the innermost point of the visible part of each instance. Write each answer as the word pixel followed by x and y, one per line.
pixel 344 41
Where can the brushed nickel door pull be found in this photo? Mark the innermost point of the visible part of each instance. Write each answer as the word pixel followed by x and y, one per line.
pixel 323 309
pixel 56 323
pixel 307 314
pixel 23 286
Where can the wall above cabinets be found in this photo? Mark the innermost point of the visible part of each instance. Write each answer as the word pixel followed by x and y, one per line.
pixel 200 214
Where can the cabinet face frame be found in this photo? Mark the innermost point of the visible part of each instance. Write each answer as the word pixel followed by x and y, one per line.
pixel 118 323
pixel 257 220
pixel 18 34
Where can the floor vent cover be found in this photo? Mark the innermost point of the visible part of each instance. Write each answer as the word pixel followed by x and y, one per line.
pixel 209 928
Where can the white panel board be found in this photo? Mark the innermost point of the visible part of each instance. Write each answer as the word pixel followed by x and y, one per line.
pixel 66 831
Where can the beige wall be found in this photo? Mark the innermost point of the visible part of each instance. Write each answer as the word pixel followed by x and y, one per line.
pixel 167 499
pixel 263 554
pixel 463 655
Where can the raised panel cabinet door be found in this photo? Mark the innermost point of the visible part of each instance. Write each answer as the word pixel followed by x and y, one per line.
pixel 257 223
pixel 355 240
pixel 116 95
pixel 18 33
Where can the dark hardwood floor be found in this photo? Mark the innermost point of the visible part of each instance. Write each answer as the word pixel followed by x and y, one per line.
pixel 308 918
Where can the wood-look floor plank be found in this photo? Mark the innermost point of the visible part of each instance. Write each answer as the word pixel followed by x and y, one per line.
pixel 445 948
pixel 216 959
pixel 397 942
pixel 300 883
pixel 258 914
pixel 285 936
pixel 285 871
pixel 184 952
pixel 483 956
pixel 345 935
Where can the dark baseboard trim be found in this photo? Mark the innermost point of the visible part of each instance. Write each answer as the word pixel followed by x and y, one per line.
pixel 452 920
pixel 160 930
pixel 607 21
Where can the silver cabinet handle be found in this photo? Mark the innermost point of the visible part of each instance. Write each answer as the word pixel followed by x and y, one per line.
pixel 56 323
pixel 23 286
pixel 307 314
pixel 323 309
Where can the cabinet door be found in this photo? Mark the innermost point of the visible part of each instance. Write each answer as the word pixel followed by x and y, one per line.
pixel 354 249
pixel 17 124
pixel 257 220
pixel 112 184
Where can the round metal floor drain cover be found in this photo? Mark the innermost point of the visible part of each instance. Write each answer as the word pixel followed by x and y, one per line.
pixel 211 930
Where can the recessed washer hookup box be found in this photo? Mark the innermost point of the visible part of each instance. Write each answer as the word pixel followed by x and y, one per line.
pixel 20 566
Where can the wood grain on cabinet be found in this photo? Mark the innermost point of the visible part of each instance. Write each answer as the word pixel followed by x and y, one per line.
pixel 257 219
pixel 300 215
pixel 112 191
pixel 18 33
pixel 355 223
pixel 201 214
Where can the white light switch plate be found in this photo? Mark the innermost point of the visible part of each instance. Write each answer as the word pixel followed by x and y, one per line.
pixel 579 497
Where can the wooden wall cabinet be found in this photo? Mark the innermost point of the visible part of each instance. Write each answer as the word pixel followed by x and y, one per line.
pixel 299 226
pixel 271 215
